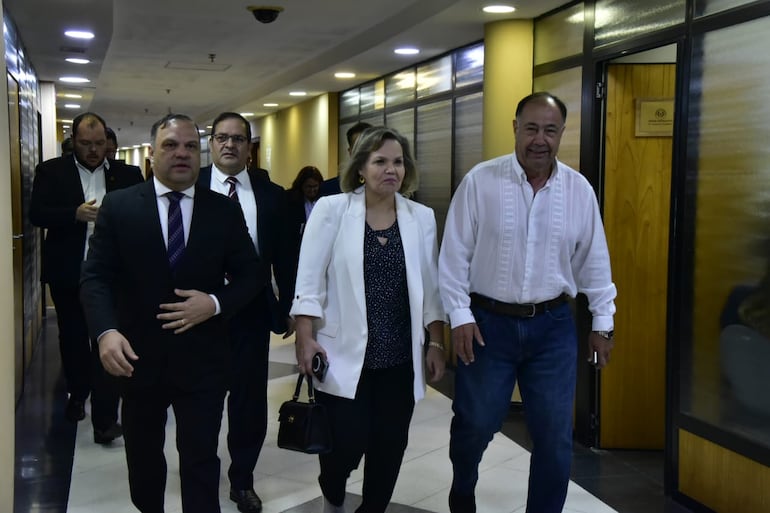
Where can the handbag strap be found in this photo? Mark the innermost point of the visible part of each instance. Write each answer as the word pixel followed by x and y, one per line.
pixel 310 388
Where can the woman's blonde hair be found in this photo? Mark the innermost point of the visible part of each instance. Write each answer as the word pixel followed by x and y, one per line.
pixel 372 140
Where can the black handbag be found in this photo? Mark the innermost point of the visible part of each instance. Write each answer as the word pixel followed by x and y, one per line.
pixel 304 427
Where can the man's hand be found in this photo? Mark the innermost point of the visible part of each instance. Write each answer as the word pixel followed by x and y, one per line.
pixel 462 338
pixel 87 211
pixel 115 353
pixel 181 316
pixel 289 328
pixel 602 346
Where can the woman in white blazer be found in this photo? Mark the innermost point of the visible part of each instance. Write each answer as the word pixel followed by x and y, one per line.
pixel 366 290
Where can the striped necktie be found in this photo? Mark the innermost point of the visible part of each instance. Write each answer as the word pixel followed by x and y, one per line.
pixel 233 192
pixel 175 229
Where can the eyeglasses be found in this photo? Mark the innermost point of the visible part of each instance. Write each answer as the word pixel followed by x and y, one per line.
pixel 222 138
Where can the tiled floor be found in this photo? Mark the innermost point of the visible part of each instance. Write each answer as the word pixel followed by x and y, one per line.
pixel 626 482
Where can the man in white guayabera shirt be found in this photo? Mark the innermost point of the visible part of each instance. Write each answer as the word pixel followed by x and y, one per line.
pixel 523 234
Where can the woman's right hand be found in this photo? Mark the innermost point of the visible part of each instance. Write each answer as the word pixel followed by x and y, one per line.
pixel 306 346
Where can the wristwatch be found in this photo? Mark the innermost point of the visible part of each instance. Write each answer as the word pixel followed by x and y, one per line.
pixel 606 334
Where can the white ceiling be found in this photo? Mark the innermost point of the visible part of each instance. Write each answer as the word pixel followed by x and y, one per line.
pixel 150 57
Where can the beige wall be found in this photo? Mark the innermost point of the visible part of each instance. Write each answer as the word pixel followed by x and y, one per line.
pixel 508 61
pixel 301 135
pixel 7 434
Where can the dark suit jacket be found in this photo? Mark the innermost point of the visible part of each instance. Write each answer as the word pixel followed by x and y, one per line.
pixel 56 195
pixel 275 245
pixel 127 275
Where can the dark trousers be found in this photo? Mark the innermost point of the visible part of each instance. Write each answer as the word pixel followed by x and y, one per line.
pixel 249 335
pixel 198 416
pixel 83 371
pixel 376 425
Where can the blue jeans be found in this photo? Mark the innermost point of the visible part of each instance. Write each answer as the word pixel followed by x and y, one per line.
pixel 541 353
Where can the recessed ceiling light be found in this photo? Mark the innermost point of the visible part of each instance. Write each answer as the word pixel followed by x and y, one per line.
pixel 407 50
pixel 298 93
pixel 71 105
pixel 247 114
pixel 344 74
pixel 137 146
pixel 76 60
pixel 72 95
pixel 64 121
pixel 146 145
pixel 79 34
pixel 270 105
pixel 74 80
pixel 498 9
pixel 201 131
pixel 65 126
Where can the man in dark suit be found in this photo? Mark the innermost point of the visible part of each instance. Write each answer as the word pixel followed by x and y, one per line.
pixel 264 208
pixel 66 195
pixel 154 293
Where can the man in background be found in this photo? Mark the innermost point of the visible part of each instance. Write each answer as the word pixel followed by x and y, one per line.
pixel 332 185
pixel 112 143
pixel 66 195
pixel 264 209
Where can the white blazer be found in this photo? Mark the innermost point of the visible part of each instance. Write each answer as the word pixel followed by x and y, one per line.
pixel 330 284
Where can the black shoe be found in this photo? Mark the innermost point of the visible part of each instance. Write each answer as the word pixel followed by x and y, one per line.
pixel 247 500
pixel 461 503
pixel 106 436
pixel 75 410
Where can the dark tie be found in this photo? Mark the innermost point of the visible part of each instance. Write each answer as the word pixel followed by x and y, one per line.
pixel 233 192
pixel 175 228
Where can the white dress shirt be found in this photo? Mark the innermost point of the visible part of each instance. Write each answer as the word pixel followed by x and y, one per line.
pixel 245 197
pixel 94 186
pixel 505 242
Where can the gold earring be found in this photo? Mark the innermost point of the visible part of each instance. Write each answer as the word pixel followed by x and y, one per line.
pixel 361 179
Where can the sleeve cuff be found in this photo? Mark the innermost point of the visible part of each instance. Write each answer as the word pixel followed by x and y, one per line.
pixel 460 316
pixel 217 306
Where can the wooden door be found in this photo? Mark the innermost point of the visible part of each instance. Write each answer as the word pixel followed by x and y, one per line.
pixel 636 216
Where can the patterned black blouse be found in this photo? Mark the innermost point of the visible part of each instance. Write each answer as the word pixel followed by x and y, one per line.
pixel 387 300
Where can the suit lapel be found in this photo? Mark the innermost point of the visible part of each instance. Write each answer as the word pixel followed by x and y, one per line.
pixel 262 200
pixel 76 187
pixel 351 235
pixel 411 242
pixel 149 217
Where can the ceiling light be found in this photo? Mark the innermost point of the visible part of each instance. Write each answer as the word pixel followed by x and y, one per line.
pixel 79 34
pixel 65 126
pixel 74 80
pixel 498 9
pixel 76 60
pixel 137 146
pixel 247 114
pixel 64 121
pixel 71 105
pixel 344 74
pixel 270 105
pixel 298 93
pixel 407 50
pixel 201 131
pixel 71 95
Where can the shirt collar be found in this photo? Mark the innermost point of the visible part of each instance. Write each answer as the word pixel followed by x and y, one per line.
pixel 521 175
pixel 161 190
pixel 221 176
pixel 105 165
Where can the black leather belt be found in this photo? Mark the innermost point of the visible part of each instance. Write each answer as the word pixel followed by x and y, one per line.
pixel 514 310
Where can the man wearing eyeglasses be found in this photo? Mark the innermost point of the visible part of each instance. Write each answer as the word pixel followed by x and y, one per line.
pixel 264 209
pixel 66 195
